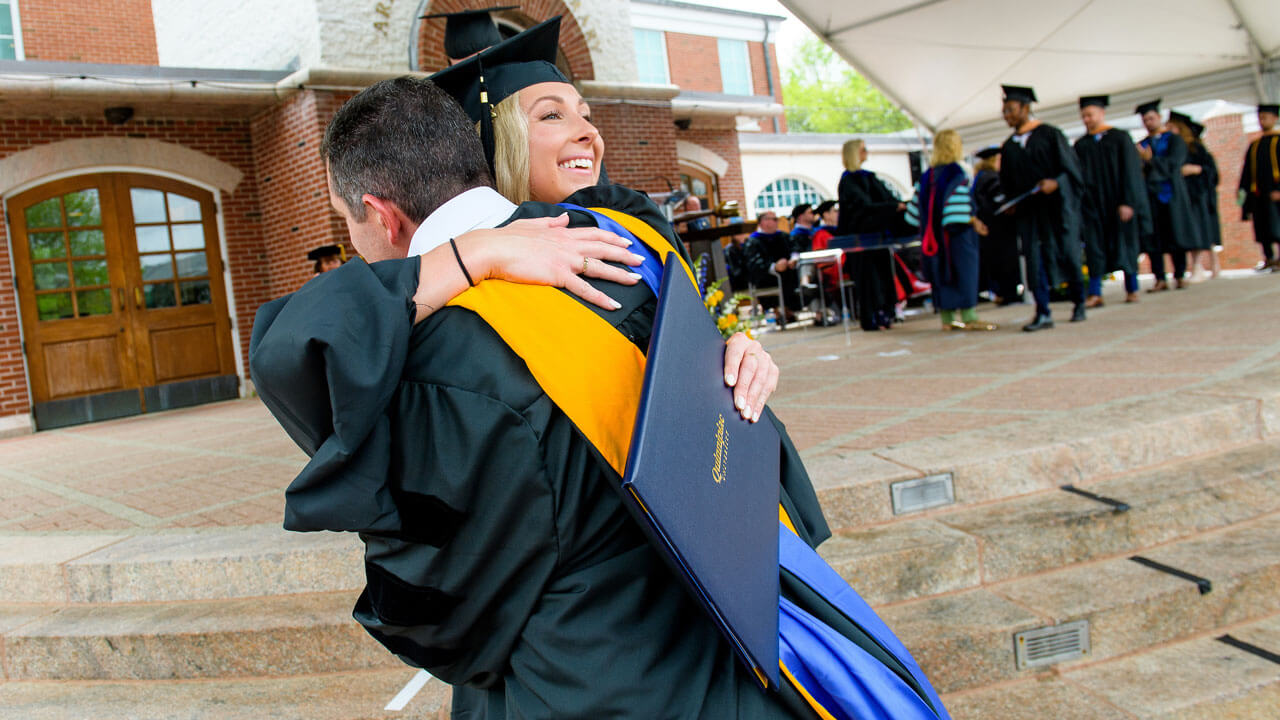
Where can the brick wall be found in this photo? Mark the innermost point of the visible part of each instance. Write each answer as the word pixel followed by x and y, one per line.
pixel 292 192
pixel 227 140
pixel 694 62
pixel 573 44
pixel 1226 140
pixel 639 144
pixel 121 32
pixel 722 139
pixel 760 83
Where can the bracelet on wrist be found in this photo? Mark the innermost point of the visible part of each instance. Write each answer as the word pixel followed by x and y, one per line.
pixel 458 256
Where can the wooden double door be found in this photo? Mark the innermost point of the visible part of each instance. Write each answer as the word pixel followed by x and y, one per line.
pixel 123 304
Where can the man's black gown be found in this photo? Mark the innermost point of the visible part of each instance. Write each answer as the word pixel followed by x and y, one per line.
pixel 1112 173
pixel 1259 177
pixel 498 553
pixel 1001 269
pixel 867 206
pixel 1048 224
pixel 1175 229
pixel 761 251
pixel 1202 191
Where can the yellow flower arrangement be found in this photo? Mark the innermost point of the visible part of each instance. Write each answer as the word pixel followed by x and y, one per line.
pixel 723 310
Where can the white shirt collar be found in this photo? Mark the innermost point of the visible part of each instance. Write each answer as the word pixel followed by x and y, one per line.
pixel 474 209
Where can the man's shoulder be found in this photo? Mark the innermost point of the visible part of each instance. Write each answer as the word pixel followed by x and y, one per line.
pixel 455 349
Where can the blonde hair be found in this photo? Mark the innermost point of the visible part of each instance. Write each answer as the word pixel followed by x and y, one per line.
pixel 947 148
pixel 852 153
pixel 511 149
pixel 986 163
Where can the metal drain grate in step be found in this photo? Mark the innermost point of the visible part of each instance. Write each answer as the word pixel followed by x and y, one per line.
pixel 930 491
pixel 1051 644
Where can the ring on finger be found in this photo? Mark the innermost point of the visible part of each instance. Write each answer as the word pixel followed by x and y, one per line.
pixel 584 265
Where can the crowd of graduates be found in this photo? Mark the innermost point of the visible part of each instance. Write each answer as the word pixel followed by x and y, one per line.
pixel 1036 213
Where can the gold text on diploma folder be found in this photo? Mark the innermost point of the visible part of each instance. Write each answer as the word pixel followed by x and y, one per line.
pixel 722 452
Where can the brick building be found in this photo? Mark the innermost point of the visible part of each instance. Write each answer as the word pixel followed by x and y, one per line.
pixel 155 199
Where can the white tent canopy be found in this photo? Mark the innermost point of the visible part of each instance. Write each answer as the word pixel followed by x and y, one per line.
pixel 943 61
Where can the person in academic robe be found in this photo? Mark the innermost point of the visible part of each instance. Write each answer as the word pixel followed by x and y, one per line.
pixel 469 31
pixel 499 555
pixel 1259 193
pixel 1114 211
pixel 943 209
pixel 1200 172
pixel 1175 230
pixel 868 207
pixel 326 258
pixel 802 220
pixel 998 251
pixel 1037 164
pixel 771 262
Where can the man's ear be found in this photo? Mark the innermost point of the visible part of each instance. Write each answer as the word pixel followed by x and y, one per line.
pixel 392 221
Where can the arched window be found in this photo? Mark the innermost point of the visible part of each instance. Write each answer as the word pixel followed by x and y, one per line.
pixel 784 194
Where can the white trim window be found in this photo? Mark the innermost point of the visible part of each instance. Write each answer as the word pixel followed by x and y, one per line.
pixel 783 194
pixel 10 31
pixel 651 57
pixel 735 67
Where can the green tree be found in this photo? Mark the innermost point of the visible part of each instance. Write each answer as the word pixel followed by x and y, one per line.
pixel 824 95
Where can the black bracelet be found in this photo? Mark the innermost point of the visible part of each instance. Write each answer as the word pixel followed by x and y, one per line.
pixel 465 274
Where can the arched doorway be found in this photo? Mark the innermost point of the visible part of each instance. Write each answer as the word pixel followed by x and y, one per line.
pixel 123 304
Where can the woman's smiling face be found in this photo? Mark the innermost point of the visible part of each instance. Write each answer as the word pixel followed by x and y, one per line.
pixel 565 149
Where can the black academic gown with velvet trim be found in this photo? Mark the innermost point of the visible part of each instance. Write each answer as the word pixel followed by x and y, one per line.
pixel 1112 173
pixel 1167 167
pixel 1048 225
pixel 1202 191
pixel 499 555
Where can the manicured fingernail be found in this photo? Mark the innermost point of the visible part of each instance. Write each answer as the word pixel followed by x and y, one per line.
pixel 634 276
pixel 616 305
pixel 742 404
pixel 637 258
pixel 746 413
pixel 756 417
pixel 728 379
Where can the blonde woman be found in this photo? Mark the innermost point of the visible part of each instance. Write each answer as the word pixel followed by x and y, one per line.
pixel 869 208
pixel 943 210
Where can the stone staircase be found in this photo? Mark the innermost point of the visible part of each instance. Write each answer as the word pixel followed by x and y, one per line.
pixel 255 622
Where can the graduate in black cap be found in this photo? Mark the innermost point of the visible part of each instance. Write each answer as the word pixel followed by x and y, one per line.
pixel 469 31
pixel 1260 185
pixel 802 219
pixel 1037 157
pixel 1200 173
pixel 1114 206
pixel 1001 266
pixel 327 257
pixel 1174 228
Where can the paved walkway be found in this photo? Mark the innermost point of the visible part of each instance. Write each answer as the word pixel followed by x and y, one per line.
pixel 225 465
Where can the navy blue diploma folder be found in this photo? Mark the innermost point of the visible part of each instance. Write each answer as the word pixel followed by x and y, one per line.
pixel 704 482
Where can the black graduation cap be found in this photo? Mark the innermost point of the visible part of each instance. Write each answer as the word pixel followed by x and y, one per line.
pixel 470 31
pixel 987 152
pixel 486 79
pixel 1144 108
pixel 1018 93
pixel 798 210
pixel 325 251
pixel 823 207
pixel 1196 129
pixel 1273 109
pixel 1099 100
pixel 1175 116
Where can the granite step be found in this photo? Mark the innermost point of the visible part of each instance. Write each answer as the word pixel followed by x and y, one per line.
pixel 965 639
pixel 210 565
pixel 359 695
pixel 288 635
pixel 1194 679
pixel 918 557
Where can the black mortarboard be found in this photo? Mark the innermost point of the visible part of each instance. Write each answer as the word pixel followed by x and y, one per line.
pixel 987 152
pixel 824 206
pixel 470 31
pixel 1100 100
pixel 486 79
pixel 1018 93
pixel 324 251
pixel 1144 108
pixel 1175 116
pixel 798 210
pixel 1266 108
pixel 1196 129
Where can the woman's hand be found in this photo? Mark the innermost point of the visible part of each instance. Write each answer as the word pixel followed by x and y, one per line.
pixel 546 251
pixel 752 374
pixel 980 227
